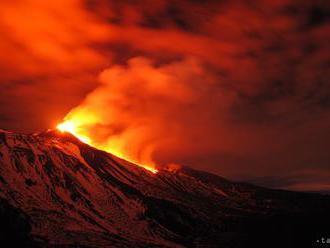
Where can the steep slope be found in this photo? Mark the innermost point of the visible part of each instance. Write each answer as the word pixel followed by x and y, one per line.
pixel 75 195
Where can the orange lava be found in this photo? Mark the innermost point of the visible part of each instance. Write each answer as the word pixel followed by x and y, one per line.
pixel 75 129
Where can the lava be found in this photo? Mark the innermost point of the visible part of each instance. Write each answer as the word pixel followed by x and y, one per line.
pixel 78 131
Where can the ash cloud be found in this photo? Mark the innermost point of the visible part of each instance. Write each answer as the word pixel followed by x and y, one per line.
pixel 239 88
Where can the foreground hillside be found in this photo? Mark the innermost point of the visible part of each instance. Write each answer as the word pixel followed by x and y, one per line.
pixel 60 192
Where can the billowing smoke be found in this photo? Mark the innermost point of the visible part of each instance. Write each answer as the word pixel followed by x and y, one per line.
pixel 141 108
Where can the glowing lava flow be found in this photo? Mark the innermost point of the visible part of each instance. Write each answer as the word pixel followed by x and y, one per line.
pixel 70 127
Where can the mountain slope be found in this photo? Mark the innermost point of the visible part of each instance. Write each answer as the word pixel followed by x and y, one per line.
pixel 74 195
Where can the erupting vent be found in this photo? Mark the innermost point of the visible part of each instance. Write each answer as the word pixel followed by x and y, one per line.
pixel 74 129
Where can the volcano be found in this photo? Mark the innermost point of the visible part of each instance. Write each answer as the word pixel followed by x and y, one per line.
pixel 56 191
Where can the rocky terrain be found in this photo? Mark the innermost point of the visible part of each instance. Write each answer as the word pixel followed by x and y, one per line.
pixel 56 191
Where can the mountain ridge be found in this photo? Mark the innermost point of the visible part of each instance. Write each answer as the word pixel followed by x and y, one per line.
pixel 75 194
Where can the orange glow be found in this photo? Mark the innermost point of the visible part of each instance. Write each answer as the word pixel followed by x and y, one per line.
pixel 75 129
pixel 70 127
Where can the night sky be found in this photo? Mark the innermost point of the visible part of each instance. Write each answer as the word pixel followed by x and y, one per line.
pixel 237 88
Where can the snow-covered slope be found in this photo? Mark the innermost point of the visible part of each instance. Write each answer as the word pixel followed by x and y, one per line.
pixel 77 195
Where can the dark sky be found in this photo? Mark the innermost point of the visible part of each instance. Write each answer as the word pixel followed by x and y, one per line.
pixel 240 88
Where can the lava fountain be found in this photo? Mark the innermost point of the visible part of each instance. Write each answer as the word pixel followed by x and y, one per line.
pixel 78 131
